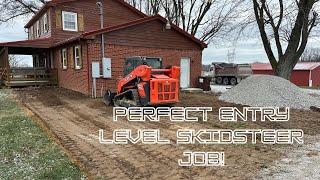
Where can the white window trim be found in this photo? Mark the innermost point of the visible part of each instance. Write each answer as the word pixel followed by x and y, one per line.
pixel 76 21
pixel 45 23
pixel 38 29
pixel 31 32
pixel 77 66
pixel 64 58
pixel 34 30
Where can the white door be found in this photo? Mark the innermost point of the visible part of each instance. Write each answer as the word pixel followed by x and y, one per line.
pixel 185 73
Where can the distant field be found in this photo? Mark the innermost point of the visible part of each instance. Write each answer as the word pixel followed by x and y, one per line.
pixel 25 150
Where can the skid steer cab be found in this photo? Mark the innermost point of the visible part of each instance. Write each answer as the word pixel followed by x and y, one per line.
pixel 146 86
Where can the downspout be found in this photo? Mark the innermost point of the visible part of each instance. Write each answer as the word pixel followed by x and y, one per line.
pixel 88 68
pixel 100 5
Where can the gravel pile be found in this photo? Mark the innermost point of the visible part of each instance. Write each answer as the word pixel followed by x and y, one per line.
pixel 269 91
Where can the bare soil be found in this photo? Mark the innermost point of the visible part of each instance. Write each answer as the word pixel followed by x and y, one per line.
pixel 76 120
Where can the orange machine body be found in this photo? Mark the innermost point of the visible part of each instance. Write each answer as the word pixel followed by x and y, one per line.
pixel 154 86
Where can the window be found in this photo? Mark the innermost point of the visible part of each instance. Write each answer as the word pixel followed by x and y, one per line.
pixel 34 32
pixel 64 58
pixel 69 21
pixel 77 57
pixel 45 23
pixel 133 62
pixel 31 33
pixel 38 29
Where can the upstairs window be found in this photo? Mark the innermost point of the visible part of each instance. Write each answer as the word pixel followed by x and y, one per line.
pixel 34 32
pixel 69 21
pixel 77 57
pixel 45 23
pixel 38 29
pixel 64 58
pixel 30 32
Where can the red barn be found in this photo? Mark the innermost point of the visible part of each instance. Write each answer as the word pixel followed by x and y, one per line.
pixel 304 74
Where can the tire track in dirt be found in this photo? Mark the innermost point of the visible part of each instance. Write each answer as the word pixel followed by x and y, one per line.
pixel 124 165
pixel 164 159
pixel 76 122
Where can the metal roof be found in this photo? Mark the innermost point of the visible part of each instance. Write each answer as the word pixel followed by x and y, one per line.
pixel 302 66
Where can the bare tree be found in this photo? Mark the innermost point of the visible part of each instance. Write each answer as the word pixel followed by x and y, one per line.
pixel 150 7
pixel 311 55
pixel 12 9
pixel 203 18
pixel 17 61
pixel 286 23
pixel 14 61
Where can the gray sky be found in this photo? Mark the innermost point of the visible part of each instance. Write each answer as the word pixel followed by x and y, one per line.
pixel 250 50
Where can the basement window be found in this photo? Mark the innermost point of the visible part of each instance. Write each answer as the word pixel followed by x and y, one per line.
pixel 69 20
pixel 77 57
pixel 64 58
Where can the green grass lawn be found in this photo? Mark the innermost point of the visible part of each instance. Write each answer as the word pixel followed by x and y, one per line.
pixel 26 152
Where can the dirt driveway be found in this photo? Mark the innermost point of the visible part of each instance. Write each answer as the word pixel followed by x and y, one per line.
pixel 76 120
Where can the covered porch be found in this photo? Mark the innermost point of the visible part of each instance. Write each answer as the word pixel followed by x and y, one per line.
pixel 42 71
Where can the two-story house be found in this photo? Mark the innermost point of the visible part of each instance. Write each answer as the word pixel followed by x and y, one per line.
pixel 65 38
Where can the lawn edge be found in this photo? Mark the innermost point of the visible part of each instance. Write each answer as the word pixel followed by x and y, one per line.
pixel 52 136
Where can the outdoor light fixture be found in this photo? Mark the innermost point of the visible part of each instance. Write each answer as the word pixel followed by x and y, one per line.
pixel 168 25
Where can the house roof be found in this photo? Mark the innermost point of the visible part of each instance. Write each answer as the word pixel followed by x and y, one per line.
pixel 37 43
pixel 302 66
pixel 48 42
pixel 53 3
pixel 134 23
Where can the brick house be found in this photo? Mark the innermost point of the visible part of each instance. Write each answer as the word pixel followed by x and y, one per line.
pixel 64 39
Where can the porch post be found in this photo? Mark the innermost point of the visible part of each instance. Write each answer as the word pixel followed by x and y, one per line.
pixel 6 57
pixel 4 61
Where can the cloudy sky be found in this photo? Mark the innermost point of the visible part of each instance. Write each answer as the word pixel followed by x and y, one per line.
pixel 246 51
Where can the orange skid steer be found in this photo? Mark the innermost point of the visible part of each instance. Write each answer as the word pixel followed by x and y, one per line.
pixel 145 86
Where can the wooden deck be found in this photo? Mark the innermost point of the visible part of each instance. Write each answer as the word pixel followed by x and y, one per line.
pixel 22 77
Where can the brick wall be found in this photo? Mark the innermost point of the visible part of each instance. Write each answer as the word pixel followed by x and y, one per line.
pixel 119 53
pixel 71 78
pixel 115 14
pixel 78 80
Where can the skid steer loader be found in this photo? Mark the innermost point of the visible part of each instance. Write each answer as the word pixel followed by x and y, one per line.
pixel 145 86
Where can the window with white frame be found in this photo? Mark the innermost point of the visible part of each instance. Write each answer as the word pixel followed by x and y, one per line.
pixel 77 57
pixel 34 32
pixel 38 29
pixel 30 32
pixel 45 23
pixel 70 21
pixel 64 58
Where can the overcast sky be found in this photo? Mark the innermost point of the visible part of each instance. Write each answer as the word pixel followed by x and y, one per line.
pixel 250 50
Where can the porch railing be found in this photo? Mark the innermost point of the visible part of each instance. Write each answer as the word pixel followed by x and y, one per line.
pixel 31 74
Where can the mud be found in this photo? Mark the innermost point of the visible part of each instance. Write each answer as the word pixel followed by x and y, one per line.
pixel 76 120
